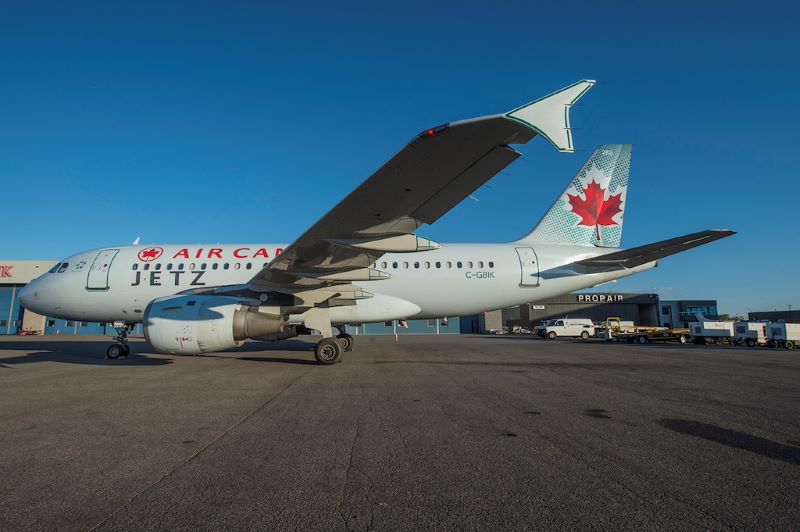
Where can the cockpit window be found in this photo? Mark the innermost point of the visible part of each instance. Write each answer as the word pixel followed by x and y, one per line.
pixel 63 267
pixel 54 268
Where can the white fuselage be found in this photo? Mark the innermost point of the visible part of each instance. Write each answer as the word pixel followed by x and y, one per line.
pixel 116 284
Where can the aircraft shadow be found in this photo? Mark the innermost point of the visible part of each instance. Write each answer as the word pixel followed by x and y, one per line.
pixel 90 353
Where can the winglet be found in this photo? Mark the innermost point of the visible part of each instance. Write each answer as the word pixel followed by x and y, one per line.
pixel 549 115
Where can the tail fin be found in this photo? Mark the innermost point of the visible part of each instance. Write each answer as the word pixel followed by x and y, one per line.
pixel 589 212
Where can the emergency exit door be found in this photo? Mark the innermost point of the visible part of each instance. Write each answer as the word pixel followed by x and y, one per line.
pixel 529 267
pixel 98 273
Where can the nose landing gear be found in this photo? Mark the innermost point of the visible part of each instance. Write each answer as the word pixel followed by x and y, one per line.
pixel 120 346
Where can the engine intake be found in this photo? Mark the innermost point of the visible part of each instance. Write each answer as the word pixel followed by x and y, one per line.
pixel 193 324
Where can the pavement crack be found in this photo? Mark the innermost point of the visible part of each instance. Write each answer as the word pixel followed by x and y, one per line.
pixel 172 471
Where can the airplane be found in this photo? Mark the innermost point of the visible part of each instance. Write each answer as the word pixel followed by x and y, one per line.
pixel 363 261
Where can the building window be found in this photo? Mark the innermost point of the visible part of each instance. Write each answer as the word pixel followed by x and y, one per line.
pixel 70 324
pixel 51 323
pixel 388 323
pixel 431 323
pixel 664 309
pixel 3 323
pixel 84 324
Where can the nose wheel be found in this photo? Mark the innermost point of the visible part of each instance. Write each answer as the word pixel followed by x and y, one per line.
pixel 120 346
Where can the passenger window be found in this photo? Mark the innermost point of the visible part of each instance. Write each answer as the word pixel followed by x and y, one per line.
pixel 192 266
pixel 214 266
pixel 427 264
pixel 157 266
pixel 146 267
pixel 169 266
pixel 394 265
pixel 438 264
pixel 225 266
pixel 203 266
pixel 249 266
pixel 491 264
pixel 180 266
pixel 135 266
pixel 383 265
pixel 416 265
pixel 237 266
pixel 405 265
pixel 458 264
pixel 480 264
pixel 469 264
pixel 449 264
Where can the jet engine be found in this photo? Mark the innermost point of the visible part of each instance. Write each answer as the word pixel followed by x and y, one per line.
pixel 193 324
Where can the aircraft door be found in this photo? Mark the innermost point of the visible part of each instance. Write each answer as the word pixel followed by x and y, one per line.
pixel 98 273
pixel 529 265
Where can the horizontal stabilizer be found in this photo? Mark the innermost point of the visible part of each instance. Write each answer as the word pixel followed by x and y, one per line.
pixel 630 258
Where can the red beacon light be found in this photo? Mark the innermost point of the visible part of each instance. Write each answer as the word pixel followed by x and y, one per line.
pixel 428 133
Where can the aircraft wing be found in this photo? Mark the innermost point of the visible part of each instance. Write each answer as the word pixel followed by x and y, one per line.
pixel 630 258
pixel 435 171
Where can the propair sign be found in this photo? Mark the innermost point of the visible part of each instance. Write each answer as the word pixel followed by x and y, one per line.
pixel 600 298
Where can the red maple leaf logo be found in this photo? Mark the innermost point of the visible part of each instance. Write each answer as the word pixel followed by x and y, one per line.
pixel 596 210
pixel 150 254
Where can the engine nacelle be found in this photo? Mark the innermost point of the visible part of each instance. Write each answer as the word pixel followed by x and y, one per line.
pixel 193 324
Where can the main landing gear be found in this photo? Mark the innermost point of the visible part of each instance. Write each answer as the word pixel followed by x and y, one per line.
pixel 120 346
pixel 345 339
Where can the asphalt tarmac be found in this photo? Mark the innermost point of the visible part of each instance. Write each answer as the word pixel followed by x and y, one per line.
pixel 448 432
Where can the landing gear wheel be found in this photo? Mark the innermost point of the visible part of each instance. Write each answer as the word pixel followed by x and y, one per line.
pixel 584 335
pixel 347 341
pixel 115 351
pixel 328 351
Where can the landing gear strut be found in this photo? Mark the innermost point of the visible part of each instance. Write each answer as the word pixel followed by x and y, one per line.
pixel 120 346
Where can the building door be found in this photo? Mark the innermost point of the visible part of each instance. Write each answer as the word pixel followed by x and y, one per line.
pixel 529 266
pixel 98 273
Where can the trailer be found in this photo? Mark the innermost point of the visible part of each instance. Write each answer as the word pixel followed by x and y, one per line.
pixel 706 331
pixel 784 335
pixel 750 333
pixel 626 331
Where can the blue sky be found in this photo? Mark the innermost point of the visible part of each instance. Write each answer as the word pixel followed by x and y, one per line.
pixel 226 122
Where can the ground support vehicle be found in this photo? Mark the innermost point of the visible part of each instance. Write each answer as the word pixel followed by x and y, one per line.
pixel 707 331
pixel 784 335
pixel 750 333
pixel 575 328
pixel 655 334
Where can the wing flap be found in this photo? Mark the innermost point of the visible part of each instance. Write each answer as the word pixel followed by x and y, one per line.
pixel 630 258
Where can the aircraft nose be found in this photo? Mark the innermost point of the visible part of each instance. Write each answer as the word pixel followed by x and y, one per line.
pixel 27 295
